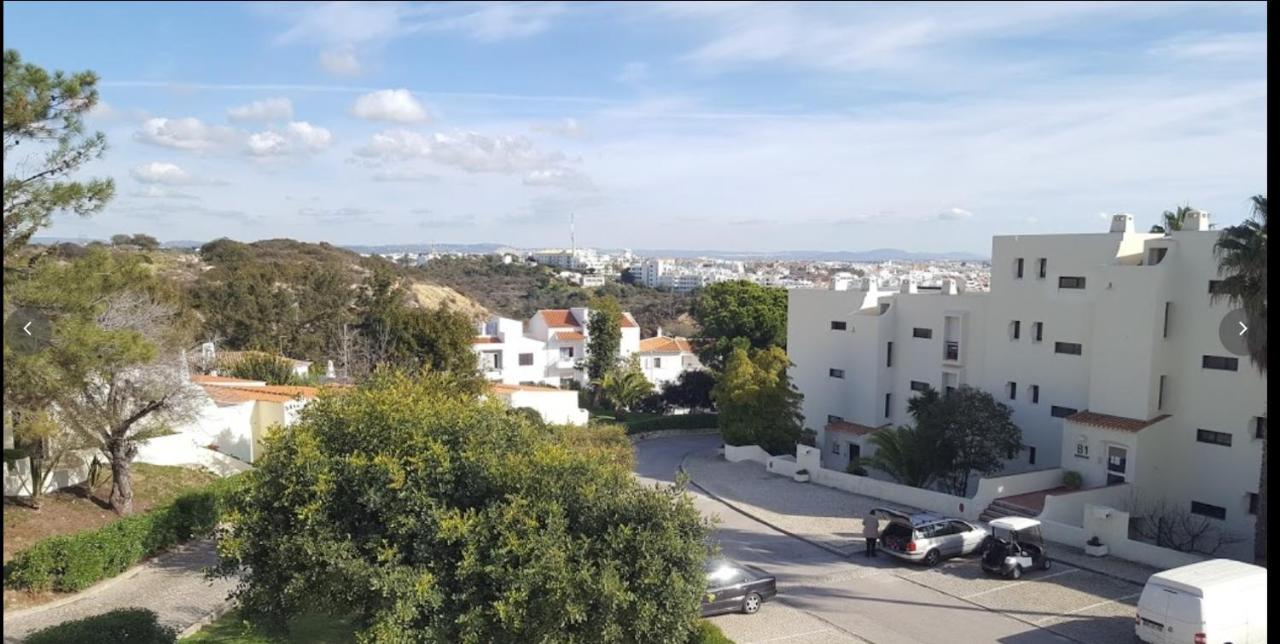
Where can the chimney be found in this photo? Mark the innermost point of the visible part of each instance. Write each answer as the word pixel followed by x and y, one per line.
pixel 329 371
pixel 659 333
pixel 909 286
pixel 1122 223
pixel 1196 220
pixel 949 287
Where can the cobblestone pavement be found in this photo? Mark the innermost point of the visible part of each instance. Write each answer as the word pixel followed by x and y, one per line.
pixel 1079 604
pixel 172 584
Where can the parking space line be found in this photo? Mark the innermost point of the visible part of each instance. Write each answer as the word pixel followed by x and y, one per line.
pixel 788 637
pixel 1019 583
pixel 1090 607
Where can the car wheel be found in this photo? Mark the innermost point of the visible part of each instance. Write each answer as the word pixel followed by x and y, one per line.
pixel 1016 572
pixel 932 558
pixel 751 603
pixel 1044 565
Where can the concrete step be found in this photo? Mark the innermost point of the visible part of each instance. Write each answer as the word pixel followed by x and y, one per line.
pixel 999 510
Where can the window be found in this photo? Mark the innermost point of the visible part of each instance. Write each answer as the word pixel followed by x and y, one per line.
pixel 888 355
pixel 657 363
pixel 835 447
pixel 1037 331
pixel 835 373
pixel 526 359
pixel 832 418
pixel 566 353
pixel 1070 282
pixel 1035 394
pixel 1213 438
pixel 1215 287
pixel 1253 503
pixel 1031 455
pixel 1060 412
pixel 838 325
pixel 1260 427
pixel 1206 510
pixel 916 385
pixel 1165 331
pixel 1221 363
pixel 1160 394
pixel 1017 268
pixel 1156 255
pixel 492 360
pixel 1013 391
pixel 888 401
pixel 1015 329
pixel 1070 348
pixel 1043 269
pixel 921 333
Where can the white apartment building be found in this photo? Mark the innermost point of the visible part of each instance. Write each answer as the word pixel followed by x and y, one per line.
pixel 549 348
pixel 1106 346
pixel 663 358
pixel 580 259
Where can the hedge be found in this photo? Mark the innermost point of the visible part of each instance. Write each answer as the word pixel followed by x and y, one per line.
pixel 682 421
pixel 69 563
pixel 123 626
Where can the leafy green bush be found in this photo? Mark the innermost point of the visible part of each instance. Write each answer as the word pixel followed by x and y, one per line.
pixel 856 467
pixel 682 421
pixel 124 626
pixel 69 563
pixel 270 369
pixel 1072 480
pixel 709 633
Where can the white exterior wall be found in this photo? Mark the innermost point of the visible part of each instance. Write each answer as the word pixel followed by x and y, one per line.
pixel 1118 319
pixel 557 407
pixel 668 367
pixel 539 339
pixel 228 427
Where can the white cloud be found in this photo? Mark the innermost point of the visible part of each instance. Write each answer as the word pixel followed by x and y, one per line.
pixel 297 137
pixel 185 134
pixel 469 151
pixel 954 214
pixel 271 109
pixel 156 192
pixel 340 62
pixel 1232 47
pixel 396 105
pixel 565 127
pixel 494 21
pixel 161 173
pixel 406 175
pixel 567 178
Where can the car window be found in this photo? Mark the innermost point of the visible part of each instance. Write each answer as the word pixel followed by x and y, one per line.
pixel 960 527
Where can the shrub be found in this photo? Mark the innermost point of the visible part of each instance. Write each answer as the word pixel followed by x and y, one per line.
pixel 651 404
pixel 808 437
pixel 123 626
pixel 69 563
pixel 856 468
pixel 709 633
pixel 1072 480
pixel 682 421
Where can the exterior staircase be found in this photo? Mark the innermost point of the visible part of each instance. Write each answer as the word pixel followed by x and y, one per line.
pixel 1001 508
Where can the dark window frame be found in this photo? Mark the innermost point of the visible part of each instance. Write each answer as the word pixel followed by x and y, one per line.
pixel 1209 510
pixel 1211 437
pixel 1253 503
pixel 1013 390
pixel 1058 411
pixel 1043 268
pixel 1068 348
pixel 1031 455
pixel 1074 282
pixel 922 333
pixel 922 385
pixel 832 418
pixel 839 325
pixel 1219 363
pixel 1017 329
pixel 1160 393
pixel 1260 427
pixel 888 405
pixel 520 359
pixel 832 372
pixel 1017 268
pixel 1035 394
pixel 1215 287
pixel 1168 306
pixel 1037 329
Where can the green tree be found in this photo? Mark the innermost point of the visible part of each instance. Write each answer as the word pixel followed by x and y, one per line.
pixel 625 384
pixel 434 517
pixel 970 431
pixel 740 314
pixel 438 339
pixel 758 405
pixel 268 368
pixel 1241 252
pixel 905 454
pixel 1172 220
pixel 691 390
pixel 604 337
pixel 45 111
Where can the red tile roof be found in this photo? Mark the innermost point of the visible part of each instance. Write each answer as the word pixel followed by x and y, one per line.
pixel 665 344
pixel 230 395
pixel 568 335
pixel 1118 423
pixel 852 428
pixel 226 380
pixel 558 317
pixel 627 321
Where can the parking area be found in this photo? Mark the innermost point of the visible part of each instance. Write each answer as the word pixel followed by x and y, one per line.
pixel 1076 603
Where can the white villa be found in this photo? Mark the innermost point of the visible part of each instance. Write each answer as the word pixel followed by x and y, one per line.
pixel 1106 346
pixel 550 348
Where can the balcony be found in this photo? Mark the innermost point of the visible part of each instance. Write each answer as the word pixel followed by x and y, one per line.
pixel 951 351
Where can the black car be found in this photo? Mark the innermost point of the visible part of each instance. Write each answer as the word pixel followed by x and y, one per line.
pixel 732 588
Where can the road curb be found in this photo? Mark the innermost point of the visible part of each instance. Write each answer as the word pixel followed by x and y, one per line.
pixel 210 617
pixel 671 433
pixel 817 544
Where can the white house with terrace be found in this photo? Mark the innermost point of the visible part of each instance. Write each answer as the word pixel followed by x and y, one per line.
pixel 664 358
pixel 1107 347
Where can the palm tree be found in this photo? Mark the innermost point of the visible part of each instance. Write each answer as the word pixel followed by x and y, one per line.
pixel 624 386
pixel 902 454
pixel 1173 219
pixel 1242 260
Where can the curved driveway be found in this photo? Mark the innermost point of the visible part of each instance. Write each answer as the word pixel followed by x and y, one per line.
pixel 824 597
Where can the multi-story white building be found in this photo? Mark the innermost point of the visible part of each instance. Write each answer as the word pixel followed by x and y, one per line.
pixel 549 348
pixel 663 358
pixel 1106 346
pixel 579 259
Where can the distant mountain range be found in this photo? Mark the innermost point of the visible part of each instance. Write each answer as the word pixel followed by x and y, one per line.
pixel 876 255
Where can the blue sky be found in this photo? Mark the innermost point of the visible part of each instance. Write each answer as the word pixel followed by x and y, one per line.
pixel 746 126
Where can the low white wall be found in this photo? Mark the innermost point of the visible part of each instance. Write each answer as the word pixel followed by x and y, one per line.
pixel 1069 508
pixel 737 453
pixel 782 465
pixel 1111 527
pixel 73 470
pixel 183 450
pixel 990 489
pixel 558 407
pixel 898 494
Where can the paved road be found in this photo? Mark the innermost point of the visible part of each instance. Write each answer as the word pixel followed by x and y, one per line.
pixel 828 598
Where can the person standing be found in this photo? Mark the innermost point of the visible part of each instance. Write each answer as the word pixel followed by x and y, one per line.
pixel 871 532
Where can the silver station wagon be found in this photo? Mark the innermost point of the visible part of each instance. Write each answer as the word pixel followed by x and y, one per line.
pixel 928 538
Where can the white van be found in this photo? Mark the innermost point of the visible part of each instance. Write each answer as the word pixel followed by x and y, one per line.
pixel 1212 602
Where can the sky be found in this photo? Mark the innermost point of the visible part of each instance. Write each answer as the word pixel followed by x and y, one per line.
pixel 725 126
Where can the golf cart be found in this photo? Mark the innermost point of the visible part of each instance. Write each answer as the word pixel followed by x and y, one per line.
pixel 1016 545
